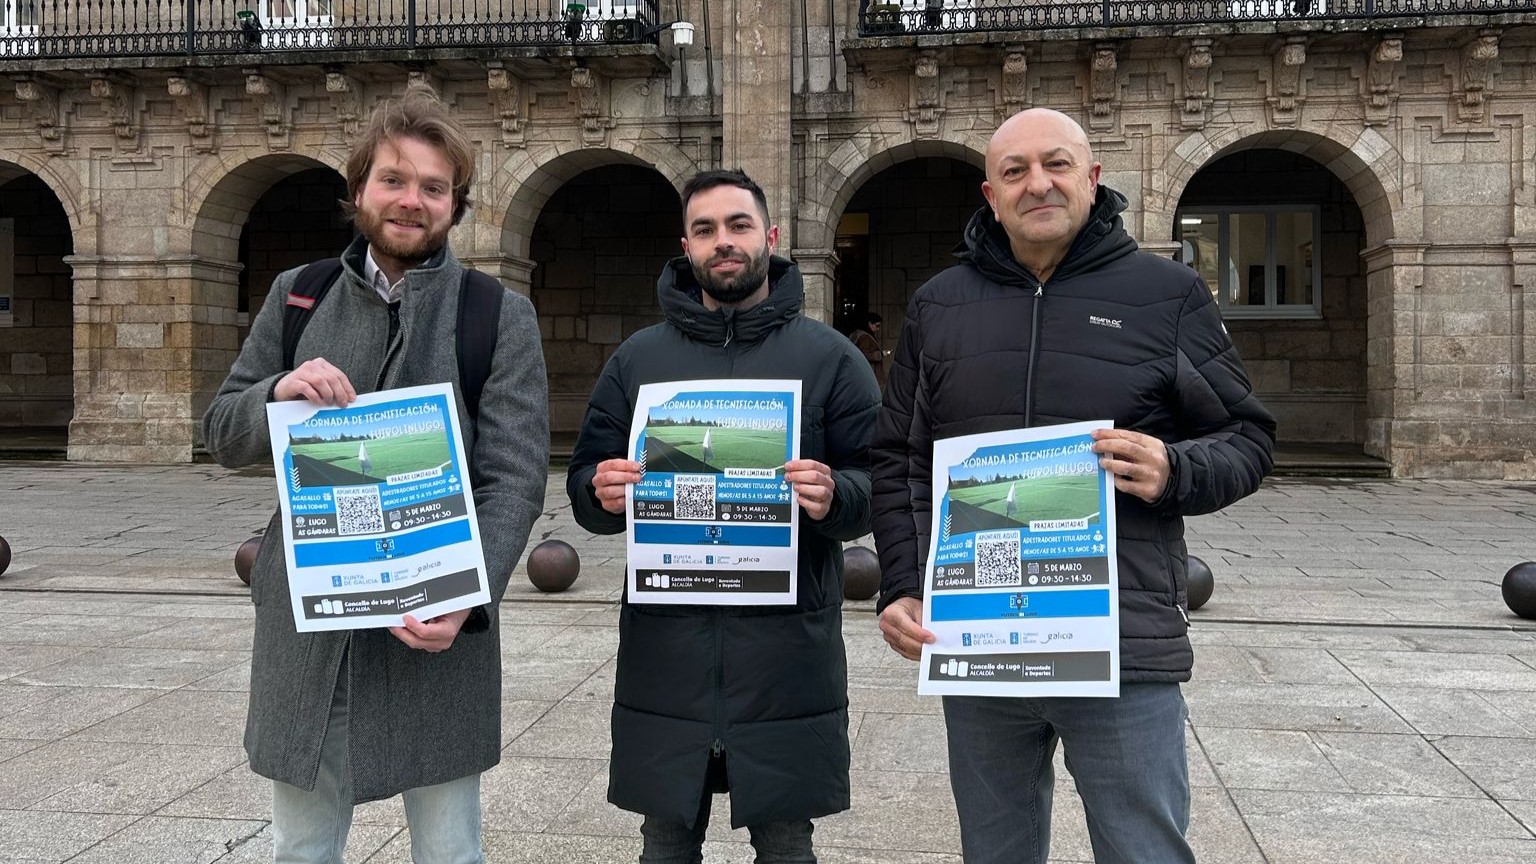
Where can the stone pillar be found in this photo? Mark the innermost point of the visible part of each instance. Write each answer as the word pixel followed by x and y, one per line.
pixel 1394 275
pixel 757 89
pixel 819 267
pixel 154 339
pixel 515 272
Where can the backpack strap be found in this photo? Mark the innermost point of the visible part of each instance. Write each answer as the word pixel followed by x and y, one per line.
pixel 480 296
pixel 308 289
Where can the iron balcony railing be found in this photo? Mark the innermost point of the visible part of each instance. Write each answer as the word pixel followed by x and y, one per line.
pixel 917 17
pixel 125 28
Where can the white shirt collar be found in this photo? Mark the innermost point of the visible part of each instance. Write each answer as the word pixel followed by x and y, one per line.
pixel 380 282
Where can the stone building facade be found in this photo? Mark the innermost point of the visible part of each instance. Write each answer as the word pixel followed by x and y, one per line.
pixel 1355 187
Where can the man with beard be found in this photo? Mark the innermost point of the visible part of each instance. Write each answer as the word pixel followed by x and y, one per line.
pixel 751 700
pixel 1052 290
pixel 341 717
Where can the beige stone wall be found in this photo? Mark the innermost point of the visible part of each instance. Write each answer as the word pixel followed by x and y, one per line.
pixel 36 351
pixel 158 170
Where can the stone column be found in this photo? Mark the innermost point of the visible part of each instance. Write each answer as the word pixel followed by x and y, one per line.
pixel 1394 276
pixel 514 271
pixel 757 89
pixel 819 267
pixel 154 339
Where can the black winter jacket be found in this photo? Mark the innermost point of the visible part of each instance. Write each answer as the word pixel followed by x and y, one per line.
pixel 1115 333
pixel 765 684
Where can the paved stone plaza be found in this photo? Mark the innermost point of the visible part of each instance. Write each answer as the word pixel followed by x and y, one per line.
pixel 1361 694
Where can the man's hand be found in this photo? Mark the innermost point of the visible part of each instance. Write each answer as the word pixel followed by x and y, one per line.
pixel 901 624
pixel 432 635
pixel 1138 462
pixel 319 382
pixel 610 479
pixel 813 484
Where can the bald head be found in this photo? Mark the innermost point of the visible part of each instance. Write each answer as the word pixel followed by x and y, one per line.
pixel 1037 124
pixel 1041 184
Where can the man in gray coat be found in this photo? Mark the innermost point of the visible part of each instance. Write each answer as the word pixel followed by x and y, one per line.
pixel 342 717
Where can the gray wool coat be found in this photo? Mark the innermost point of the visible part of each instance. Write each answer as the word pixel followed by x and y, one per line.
pixel 416 718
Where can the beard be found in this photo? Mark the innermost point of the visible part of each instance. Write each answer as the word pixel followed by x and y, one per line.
pixel 732 289
pixel 371 225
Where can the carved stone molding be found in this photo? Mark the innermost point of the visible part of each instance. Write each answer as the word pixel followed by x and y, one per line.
pixel 1476 68
pixel 507 100
pixel 347 99
pixel 927 100
pixel 41 103
pixel 586 91
pixel 118 98
pixel 1381 79
pixel 192 100
pixel 269 95
pixel 1015 91
pixel 1285 88
pixel 1102 84
pixel 1197 83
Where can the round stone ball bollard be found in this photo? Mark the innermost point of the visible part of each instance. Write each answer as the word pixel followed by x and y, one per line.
pixel 245 558
pixel 553 566
pixel 1202 583
pixel 1520 589
pixel 5 555
pixel 861 573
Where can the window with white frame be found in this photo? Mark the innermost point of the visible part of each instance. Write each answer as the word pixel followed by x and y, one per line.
pixel 295 23
pixel 1259 261
pixel 18 27
pixel 939 14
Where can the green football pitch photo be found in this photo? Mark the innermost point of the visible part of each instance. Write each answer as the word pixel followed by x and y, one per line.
pixel 712 448
pixel 1011 503
pixel 350 462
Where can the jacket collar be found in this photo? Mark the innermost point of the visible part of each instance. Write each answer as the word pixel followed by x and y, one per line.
pixel 679 294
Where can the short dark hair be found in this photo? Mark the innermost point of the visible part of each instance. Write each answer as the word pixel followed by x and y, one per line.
pixel 873 318
pixel 707 180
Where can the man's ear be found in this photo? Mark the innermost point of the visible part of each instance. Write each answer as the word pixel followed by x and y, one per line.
pixel 773 238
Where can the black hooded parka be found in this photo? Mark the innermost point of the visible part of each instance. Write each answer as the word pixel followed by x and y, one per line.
pixel 765 687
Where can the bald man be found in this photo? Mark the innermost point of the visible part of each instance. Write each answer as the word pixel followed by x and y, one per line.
pixel 1054 316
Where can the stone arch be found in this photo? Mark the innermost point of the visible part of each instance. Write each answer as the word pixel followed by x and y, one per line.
pixel 37 348
pixel 65 187
pixel 1368 165
pixel 528 179
pixel 222 192
pixel 851 164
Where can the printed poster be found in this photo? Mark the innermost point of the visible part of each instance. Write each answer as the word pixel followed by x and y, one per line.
pixel 712 520
pixel 378 514
pixel 1022 581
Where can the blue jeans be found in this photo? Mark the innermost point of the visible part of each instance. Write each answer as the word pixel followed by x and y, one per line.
pixel 1126 756
pixel 312 827
pixel 669 842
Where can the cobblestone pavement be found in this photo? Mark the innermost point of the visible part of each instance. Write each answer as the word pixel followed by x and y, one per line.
pixel 1361 694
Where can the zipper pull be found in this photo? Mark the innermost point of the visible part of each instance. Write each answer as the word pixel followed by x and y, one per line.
pixel 729 333
pixel 1040 290
pixel 716 748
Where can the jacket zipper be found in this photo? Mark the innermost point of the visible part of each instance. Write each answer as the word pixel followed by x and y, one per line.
pixel 1034 357
pixel 717 747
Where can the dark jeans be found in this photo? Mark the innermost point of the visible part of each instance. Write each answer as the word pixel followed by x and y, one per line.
pixel 1126 756
pixel 675 843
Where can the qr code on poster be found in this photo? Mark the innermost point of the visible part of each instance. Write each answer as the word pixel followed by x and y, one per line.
pixel 997 559
pixel 693 496
pixel 358 510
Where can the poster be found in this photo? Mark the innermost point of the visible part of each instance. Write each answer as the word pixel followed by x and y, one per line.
pixel 378 515
pixel 712 520
pixel 1021 587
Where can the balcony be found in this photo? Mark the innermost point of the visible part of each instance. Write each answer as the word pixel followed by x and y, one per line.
pixel 69 29
pixel 926 17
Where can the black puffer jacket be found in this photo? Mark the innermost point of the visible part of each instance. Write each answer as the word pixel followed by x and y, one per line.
pixel 768 684
pixel 1116 334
